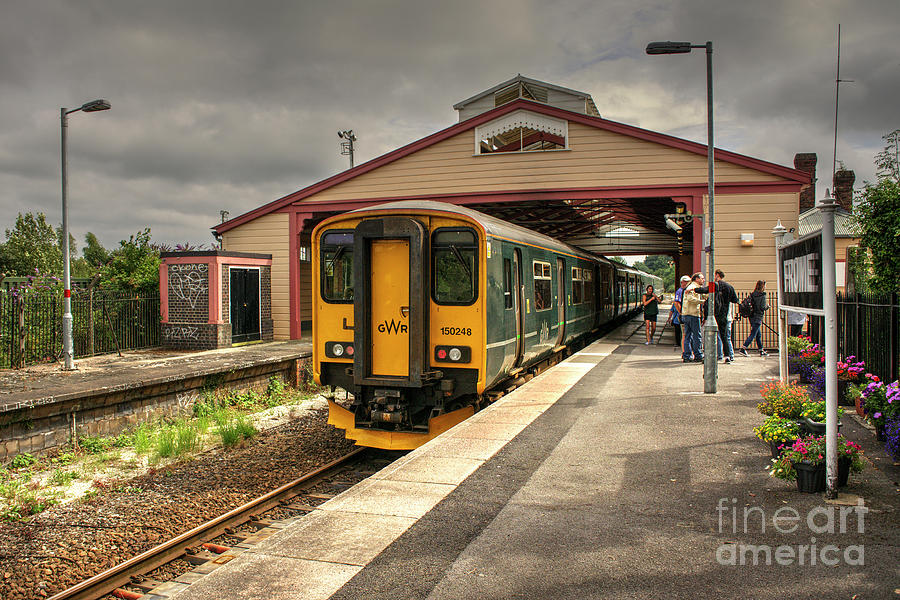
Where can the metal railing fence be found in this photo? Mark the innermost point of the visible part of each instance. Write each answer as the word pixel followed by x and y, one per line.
pixel 868 327
pixel 102 322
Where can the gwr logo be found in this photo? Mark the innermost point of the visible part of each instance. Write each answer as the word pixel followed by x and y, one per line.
pixel 393 327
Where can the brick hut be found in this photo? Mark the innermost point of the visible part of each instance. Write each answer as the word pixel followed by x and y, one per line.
pixel 215 299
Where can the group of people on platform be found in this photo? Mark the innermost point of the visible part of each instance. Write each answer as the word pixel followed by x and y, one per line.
pixel 688 313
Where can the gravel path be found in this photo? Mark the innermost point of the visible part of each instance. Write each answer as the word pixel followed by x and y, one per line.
pixel 66 544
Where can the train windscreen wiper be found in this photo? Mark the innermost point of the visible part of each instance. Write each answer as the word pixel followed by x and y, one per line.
pixel 337 255
pixel 461 260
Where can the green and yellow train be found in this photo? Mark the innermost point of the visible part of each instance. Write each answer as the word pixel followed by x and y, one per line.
pixel 421 309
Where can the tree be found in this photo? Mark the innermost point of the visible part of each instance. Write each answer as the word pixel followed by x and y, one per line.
pixel 877 219
pixel 662 266
pixel 31 245
pixel 133 266
pixel 94 252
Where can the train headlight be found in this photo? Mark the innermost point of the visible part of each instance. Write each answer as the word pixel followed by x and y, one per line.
pixel 457 354
pixel 338 350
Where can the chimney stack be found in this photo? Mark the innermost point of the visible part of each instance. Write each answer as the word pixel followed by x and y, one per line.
pixel 843 188
pixel 806 162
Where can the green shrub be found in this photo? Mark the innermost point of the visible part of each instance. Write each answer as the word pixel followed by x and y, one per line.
pixel 94 445
pixel 23 460
pixel 62 477
pixel 233 429
pixel 143 438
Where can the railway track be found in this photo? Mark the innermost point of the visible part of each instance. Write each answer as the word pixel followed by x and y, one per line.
pixel 110 582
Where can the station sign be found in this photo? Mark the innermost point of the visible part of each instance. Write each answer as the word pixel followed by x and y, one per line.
pixel 800 263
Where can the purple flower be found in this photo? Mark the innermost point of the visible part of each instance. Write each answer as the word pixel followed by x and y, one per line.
pixel 877 415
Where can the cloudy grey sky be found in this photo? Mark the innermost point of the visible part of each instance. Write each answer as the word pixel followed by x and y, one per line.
pixel 229 105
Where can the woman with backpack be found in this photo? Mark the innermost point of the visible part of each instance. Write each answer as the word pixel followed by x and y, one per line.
pixel 758 310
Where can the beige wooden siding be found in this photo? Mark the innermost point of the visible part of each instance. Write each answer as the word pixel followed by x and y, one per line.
pixel 756 214
pixel 596 158
pixel 268 235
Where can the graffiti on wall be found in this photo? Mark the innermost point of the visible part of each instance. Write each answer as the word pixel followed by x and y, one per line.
pixel 185 332
pixel 189 282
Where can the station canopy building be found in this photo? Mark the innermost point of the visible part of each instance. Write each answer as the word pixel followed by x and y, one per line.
pixel 541 156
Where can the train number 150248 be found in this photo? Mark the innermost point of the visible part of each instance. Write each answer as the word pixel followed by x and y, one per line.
pixel 456 330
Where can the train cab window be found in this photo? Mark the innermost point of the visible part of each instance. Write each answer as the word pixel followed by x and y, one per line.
pixel 542 287
pixel 577 285
pixel 455 256
pixel 337 266
pixel 507 283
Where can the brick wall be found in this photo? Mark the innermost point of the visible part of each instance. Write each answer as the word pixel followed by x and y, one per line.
pixel 41 426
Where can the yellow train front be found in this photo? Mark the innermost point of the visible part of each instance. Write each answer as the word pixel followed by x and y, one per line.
pixel 421 307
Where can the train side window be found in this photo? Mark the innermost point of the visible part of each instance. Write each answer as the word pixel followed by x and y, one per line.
pixel 507 283
pixel 542 289
pixel 577 285
pixel 455 256
pixel 337 266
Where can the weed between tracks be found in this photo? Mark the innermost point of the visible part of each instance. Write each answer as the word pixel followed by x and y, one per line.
pixel 29 485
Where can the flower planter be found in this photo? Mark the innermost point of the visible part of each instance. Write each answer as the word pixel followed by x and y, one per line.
pixel 843 387
pixel 859 407
pixel 843 474
pixel 815 427
pixel 810 478
pixel 879 433
pixel 774 447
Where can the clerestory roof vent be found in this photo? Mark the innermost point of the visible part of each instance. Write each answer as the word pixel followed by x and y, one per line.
pixel 528 89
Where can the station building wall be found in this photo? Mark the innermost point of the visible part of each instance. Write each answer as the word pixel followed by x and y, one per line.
pixel 595 158
pixel 269 235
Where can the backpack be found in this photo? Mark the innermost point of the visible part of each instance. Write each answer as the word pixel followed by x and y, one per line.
pixel 745 308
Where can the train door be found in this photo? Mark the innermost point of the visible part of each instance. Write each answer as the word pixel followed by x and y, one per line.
pixel 607 306
pixel 562 301
pixel 391 306
pixel 389 320
pixel 518 300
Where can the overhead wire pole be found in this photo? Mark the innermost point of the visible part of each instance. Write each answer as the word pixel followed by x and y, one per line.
pixel 837 91
pixel 347 145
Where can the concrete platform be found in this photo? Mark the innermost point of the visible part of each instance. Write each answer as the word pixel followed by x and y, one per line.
pixel 610 476
pixel 41 406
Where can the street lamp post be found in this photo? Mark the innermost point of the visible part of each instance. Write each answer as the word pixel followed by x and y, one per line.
pixel 68 344
pixel 711 330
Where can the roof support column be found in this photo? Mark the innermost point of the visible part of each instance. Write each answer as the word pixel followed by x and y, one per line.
pixel 295 227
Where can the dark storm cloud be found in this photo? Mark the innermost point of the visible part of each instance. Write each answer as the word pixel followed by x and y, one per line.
pixel 229 105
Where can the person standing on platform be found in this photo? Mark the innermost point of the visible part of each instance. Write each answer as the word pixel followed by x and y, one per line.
pixel 675 311
pixel 725 296
pixel 758 311
pixel 650 301
pixel 693 298
pixel 796 321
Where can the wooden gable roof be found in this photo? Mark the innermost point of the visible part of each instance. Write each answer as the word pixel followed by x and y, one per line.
pixel 722 156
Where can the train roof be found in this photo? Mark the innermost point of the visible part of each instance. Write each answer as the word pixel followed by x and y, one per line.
pixel 492 225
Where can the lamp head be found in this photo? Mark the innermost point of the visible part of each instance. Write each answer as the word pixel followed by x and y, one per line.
pixel 668 47
pixel 95 106
pixel 673 225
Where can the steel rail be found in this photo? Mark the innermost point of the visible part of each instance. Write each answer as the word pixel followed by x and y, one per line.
pixel 114 577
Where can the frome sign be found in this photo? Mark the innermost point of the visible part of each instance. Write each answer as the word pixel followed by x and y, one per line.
pixel 800 263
